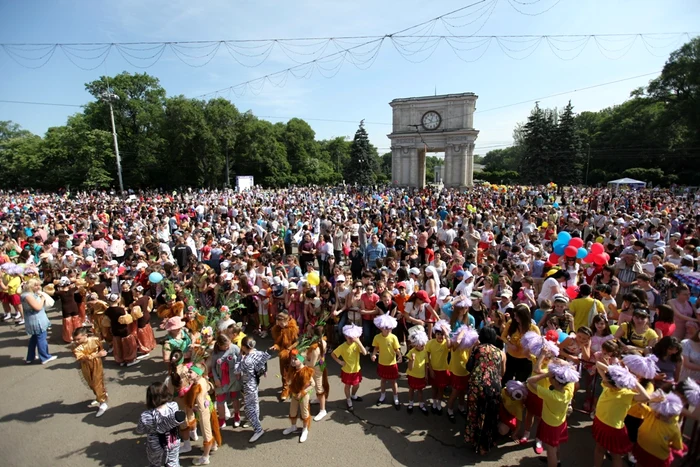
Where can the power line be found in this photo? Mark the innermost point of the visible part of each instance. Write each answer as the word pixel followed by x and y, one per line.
pixel 40 103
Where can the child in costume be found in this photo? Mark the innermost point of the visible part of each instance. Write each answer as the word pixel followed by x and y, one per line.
pixel 301 385
pixel 552 429
pixel 315 358
pixel 177 339
pixel 645 369
pixel 416 373
pixel 285 333
pixel 160 422
pixel 178 382
pixel 387 346
pixel 660 432
pixel 95 309
pixel 89 353
pixel 141 312
pixel 250 367
pixel 226 386
pixel 197 400
pixel 437 349
pixel 620 390
pixel 118 320
pixel 460 349
pixel 348 355
pixel 512 407
pixel 541 348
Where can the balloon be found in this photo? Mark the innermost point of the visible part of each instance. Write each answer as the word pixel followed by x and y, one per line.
pixel 613 328
pixel 313 278
pixel 606 256
pixel 559 248
pixel 155 277
pixel 597 248
pixel 599 239
pixel 582 253
pixel 589 258
pixel 576 242
pixel 553 258
pixel 572 292
pixel 562 335
pixel 564 237
pixel 555 204
pixel 599 260
pixel 571 251
pixel 545 224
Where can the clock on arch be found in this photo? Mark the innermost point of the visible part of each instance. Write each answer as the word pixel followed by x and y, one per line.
pixel 431 120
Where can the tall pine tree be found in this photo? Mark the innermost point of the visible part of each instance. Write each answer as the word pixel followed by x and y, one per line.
pixel 535 164
pixel 568 162
pixel 363 167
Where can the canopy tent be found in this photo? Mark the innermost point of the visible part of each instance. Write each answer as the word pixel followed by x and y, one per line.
pixel 626 183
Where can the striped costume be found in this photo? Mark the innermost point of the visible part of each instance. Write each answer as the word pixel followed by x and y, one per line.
pixel 163 442
pixel 248 367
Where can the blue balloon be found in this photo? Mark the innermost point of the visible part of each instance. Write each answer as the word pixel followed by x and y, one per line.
pixel 555 204
pixel 559 248
pixel 562 335
pixel 563 237
pixel 582 253
pixel 155 277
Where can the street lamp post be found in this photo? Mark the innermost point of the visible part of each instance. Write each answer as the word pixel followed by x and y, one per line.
pixel 108 97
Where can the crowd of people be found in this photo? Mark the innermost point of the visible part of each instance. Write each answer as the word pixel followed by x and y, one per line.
pixel 472 296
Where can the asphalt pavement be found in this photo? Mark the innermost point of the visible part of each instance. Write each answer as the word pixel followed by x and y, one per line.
pixel 46 421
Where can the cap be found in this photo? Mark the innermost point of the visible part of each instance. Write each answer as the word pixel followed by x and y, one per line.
pixel 415 271
pixel 340 278
pixel 422 295
pixel 476 294
pixel 400 285
pixel 459 274
pixel 443 293
pixel 293 286
pixel 507 293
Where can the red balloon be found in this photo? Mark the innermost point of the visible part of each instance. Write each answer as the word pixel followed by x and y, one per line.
pixel 572 292
pixel 553 258
pixel 571 251
pixel 600 259
pixel 589 258
pixel 597 248
pixel 576 242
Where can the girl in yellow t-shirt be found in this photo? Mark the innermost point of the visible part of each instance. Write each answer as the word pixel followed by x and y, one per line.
pixel 512 407
pixel 348 355
pixel 460 349
pixel 645 369
pixel 387 346
pixel 438 375
pixel 620 390
pixel 659 432
pixel 417 374
pixel 552 429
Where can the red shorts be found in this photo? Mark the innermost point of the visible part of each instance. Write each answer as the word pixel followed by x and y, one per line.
pixel 614 440
pixel 533 404
pixel 416 383
pixel 507 418
pixel 551 435
pixel 459 383
pixel 14 300
pixel 441 379
pixel 2 296
pixel 390 372
pixel 353 379
pixel 233 395
pixel 645 459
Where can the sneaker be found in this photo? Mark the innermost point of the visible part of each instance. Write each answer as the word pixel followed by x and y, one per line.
pixel 214 447
pixel 94 404
pixel 7 317
pixel 350 408
pixel 20 322
pixel 50 359
pixel 424 409
pixel 304 435
pixel 103 408
pixel 236 421
pixel 289 430
pixel 397 405
pixel 28 362
pixel 193 435
pixel 256 436
pixel 631 458
pixel 357 399
pixel 142 356
pixel 201 461
pixel 135 362
pixel 409 409
pixel 538 447
pixel 321 415
pixel 185 447
pixel 17 316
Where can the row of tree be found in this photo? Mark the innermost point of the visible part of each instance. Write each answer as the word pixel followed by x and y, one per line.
pixel 176 142
pixel 654 136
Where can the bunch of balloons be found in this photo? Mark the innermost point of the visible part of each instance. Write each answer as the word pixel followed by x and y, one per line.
pixel 566 245
pixel 597 255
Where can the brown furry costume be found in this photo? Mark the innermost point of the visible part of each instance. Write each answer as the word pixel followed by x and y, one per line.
pixel 285 340
pixel 301 384
pixel 197 400
pixel 96 310
pixel 315 359
pixel 166 312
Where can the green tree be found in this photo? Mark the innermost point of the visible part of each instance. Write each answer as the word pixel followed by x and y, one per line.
pixel 222 119
pixel 259 153
pixel 363 166
pixel 567 164
pixel 20 157
pixel 538 146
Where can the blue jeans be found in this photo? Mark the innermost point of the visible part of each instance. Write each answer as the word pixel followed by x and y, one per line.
pixel 368 332
pixel 342 321
pixel 38 341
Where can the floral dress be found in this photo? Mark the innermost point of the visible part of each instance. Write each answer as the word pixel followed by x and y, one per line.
pixel 484 396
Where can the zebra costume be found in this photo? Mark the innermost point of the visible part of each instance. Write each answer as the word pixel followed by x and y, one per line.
pixel 250 367
pixel 163 442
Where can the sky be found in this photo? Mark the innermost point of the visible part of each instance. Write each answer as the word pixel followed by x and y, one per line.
pixel 352 94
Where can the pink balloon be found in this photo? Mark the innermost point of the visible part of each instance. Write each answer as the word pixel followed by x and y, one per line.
pixel 597 248
pixel 571 251
pixel 576 242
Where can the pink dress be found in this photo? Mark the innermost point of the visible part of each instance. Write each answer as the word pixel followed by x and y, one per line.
pixel 686 309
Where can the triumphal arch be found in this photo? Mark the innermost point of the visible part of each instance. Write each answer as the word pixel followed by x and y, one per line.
pixel 433 124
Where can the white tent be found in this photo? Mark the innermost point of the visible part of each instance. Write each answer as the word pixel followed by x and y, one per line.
pixel 626 183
